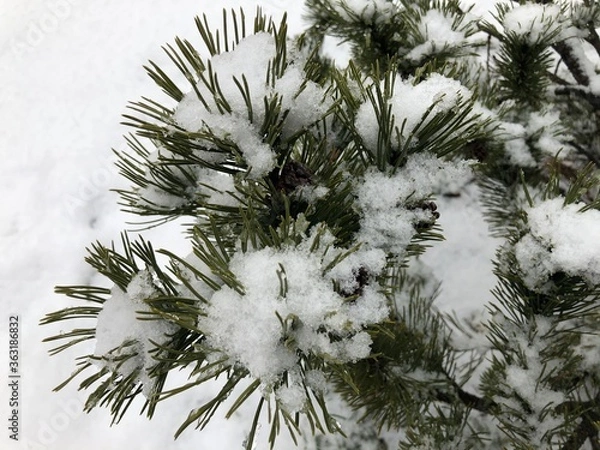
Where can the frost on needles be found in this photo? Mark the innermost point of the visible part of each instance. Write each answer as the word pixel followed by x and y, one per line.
pixel 309 190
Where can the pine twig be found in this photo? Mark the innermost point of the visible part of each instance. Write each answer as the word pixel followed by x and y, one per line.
pixel 556 79
pixel 483 405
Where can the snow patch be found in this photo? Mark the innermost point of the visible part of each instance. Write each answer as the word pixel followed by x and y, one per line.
pixel 217 188
pixel 303 100
pixel 438 31
pixel 371 11
pixel 288 308
pixel 515 144
pixel 534 22
pixel 391 205
pixel 560 239
pixel 409 103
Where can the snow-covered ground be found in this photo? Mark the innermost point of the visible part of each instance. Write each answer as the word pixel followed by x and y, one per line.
pixel 67 70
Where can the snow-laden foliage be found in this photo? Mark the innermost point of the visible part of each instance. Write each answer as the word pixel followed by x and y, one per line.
pixel 561 239
pixel 243 91
pixel 392 206
pixel 309 193
pixel 288 309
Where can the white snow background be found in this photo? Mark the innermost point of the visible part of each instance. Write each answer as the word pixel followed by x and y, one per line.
pixel 67 70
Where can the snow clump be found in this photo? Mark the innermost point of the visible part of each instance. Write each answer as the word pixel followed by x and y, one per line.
pixel 371 11
pixel 544 132
pixel 409 103
pixel 302 100
pixel 560 239
pixel 533 21
pixel 439 32
pixel 289 309
pixel 392 205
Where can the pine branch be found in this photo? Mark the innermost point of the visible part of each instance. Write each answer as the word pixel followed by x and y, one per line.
pixel 587 152
pixel 282 180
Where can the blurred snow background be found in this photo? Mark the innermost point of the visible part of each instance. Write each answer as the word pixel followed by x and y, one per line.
pixel 67 70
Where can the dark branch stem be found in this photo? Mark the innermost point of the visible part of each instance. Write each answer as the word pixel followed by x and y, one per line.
pixel 568 56
pixel 472 401
pixel 556 79
pixel 581 92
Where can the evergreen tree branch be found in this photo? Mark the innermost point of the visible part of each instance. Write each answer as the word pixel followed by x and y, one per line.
pixel 410 374
pixel 482 404
pixel 556 79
